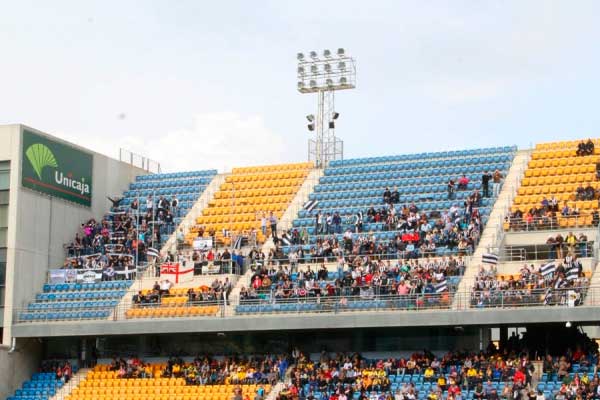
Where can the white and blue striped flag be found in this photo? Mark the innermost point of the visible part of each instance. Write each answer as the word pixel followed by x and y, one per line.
pixel 489 258
pixel 441 286
pixel 548 269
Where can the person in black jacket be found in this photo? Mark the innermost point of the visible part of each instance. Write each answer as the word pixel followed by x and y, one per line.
pixel 485 183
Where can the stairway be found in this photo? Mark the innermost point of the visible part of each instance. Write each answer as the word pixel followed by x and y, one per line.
pixel 234 296
pixel 190 219
pixel 275 390
pixel 493 233
pixel 64 391
pixel 296 205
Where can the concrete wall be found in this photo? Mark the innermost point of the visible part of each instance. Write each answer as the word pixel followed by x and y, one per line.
pixel 18 366
pixel 40 225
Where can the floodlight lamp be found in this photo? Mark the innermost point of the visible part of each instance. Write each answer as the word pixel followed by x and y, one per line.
pixel 300 85
pixel 310 117
pixel 314 69
pixel 313 55
pixel 335 115
pixel 343 80
pixel 326 53
pixel 301 70
pixel 568 324
pixel 327 67
pixel 341 52
pixel 329 82
pixel 311 127
pixel 313 83
pixel 300 56
pixel 331 125
pixel 342 65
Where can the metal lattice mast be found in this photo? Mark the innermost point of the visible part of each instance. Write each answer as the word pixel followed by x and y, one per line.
pixel 324 76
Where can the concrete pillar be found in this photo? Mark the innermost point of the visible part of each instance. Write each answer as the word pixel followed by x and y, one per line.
pixel 503 337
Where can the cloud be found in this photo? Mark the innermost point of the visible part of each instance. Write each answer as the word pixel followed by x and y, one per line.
pixel 220 140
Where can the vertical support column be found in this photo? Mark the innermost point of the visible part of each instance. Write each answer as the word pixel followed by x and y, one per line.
pixel 503 337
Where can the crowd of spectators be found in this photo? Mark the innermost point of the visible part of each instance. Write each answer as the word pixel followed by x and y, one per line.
pixel 204 294
pixel 62 368
pixel 452 376
pixel 585 148
pixel 207 370
pixel 559 282
pixel 416 233
pixel 363 278
pixel 545 216
pixel 586 193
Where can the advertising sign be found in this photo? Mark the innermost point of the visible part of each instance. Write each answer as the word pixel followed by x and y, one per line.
pixel 56 169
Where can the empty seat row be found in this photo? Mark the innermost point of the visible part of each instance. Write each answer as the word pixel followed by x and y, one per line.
pixel 66 287
pixel 74 305
pixel 423 156
pixel 169 183
pixel 447 172
pixel 422 166
pixel 175 175
pixel 84 295
pixel 64 315
pixel 166 191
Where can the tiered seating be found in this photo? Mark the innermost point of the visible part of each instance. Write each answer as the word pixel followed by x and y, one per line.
pixel 176 304
pixel 75 301
pixel 187 186
pixel 102 384
pixel 42 386
pixel 555 170
pixel 347 291
pixel 532 287
pixel 550 383
pixel 246 194
pixel 352 186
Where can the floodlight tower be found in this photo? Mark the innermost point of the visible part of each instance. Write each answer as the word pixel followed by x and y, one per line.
pixel 325 74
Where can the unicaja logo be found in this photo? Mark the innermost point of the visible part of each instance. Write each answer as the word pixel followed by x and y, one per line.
pixel 40 157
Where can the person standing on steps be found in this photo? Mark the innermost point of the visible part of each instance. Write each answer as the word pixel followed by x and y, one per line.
pixel 485 183
pixel 496 179
pixel 273 223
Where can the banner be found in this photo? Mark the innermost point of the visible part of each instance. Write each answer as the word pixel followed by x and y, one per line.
pixel 202 243
pixel 211 269
pixel 176 272
pixel 56 169
pixel 58 276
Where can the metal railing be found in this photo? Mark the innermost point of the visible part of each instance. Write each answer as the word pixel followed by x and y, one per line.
pixel 139 161
pixel 545 251
pixel 550 223
pixel 445 301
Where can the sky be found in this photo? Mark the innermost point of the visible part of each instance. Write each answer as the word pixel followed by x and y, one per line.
pixel 197 84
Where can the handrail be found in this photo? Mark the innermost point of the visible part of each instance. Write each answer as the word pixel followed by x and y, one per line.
pixel 550 223
pixel 446 301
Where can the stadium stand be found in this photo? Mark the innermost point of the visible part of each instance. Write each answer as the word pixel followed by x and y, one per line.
pixel 561 282
pixel 246 200
pixel 356 196
pixel 202 378
pixel 178 302
pixel 454 375
pixel 184 187
pixel 75 301
pixel 560 188
pixel 44 384
pixel 101 259
pixel 408 284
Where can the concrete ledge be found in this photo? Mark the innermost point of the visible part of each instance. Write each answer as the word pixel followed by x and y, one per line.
pixel 475 317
